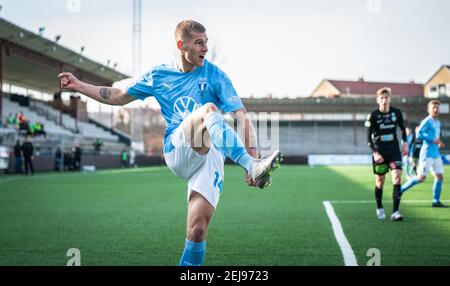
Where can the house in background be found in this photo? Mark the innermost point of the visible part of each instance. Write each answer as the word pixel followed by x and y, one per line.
pixel 439 84
pixel 364 89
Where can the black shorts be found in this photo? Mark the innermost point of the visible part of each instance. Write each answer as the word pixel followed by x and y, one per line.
pixel 392 161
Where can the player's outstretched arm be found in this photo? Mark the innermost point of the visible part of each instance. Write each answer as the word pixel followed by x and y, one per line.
pixel 103 94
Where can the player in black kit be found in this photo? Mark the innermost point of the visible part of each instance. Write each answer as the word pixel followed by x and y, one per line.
pixel 382 139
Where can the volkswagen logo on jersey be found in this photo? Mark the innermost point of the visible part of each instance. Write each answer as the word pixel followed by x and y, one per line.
pixel 202 83
pixel 184 105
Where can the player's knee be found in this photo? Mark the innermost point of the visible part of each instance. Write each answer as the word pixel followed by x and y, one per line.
pixel 379 185
pixel 197 232
pixel 211 107
pixel 421 179
pixel 379 182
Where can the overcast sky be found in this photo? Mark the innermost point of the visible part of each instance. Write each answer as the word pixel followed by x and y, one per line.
pixel 281 47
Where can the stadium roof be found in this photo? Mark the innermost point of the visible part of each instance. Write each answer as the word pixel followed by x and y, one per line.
pixel 365 87
pixel 33 61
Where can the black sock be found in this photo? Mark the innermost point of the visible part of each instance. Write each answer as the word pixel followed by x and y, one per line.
pixel 396 195
pixel 379 197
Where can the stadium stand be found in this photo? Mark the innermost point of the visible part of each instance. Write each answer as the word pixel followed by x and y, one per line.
pixel 31 62
pixel 61 136
pixel 335 125
pixel 32 116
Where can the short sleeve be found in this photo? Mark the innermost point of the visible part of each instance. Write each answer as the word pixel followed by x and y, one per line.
pixel 423 132
pixel 227 94
pixel 142 87
pixel 368 122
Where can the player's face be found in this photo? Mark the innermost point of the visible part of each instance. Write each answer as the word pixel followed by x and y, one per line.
pixel 433 110
pixel 384 101
pixel 195 49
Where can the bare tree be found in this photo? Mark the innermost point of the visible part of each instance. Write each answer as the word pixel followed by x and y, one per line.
pixel 215 54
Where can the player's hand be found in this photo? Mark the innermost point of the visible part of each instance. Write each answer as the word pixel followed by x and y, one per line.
pixel 405 149
pixel 439 142
pixel 377 158
pixel 249 180
pixel 69 81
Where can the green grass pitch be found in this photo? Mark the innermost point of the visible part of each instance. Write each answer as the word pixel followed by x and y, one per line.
pixel 138 216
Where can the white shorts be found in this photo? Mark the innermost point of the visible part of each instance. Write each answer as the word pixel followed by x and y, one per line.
pixel 430 164
pixel 205 173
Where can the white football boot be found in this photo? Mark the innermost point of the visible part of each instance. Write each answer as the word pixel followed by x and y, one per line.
pixel 397 216
pixel 381 214
pixel 262 169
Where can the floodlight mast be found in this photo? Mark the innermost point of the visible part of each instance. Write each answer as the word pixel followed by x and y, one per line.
pixel 137 37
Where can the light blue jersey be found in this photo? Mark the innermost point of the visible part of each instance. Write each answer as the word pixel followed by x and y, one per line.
pixel 429 130
pixel 179 93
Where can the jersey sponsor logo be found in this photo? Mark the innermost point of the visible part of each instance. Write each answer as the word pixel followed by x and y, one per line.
pixel 387 126
pixel 386 138
pixel 202 84
pixel 184 106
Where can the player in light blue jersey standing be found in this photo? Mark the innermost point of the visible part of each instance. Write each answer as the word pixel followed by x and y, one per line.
pixel 430 159
pixel 192 96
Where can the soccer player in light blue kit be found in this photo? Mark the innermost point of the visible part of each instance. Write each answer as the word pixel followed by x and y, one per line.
pixel 407 159
pixel 430 159
pixel 197 140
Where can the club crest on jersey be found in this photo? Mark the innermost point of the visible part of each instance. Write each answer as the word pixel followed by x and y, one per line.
pixel 393 117
pixel 202 84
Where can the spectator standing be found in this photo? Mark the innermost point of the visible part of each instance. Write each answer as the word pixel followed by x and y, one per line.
pixel 77 157
pixel 27 149
pixel 18 157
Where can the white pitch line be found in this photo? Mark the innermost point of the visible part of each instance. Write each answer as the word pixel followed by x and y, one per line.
pixel 346 248
pixel 373 202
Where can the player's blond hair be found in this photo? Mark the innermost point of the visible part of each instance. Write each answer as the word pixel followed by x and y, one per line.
pixel 185 27
pixel 434 102
pixel 384 90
